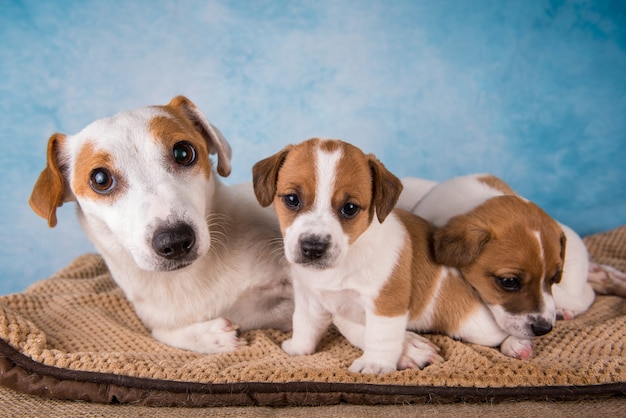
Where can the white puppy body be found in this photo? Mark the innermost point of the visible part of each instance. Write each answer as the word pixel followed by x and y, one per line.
pixel 187 251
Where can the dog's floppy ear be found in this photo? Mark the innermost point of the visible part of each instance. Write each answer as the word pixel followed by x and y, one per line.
pixel 386 188
pixel 51 189
pixel 460 241
pixel 215 140
pixel 265 176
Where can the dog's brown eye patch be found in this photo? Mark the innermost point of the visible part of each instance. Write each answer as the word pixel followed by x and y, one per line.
pixel 184 153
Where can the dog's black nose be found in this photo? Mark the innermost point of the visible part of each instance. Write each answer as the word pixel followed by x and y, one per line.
pixel 314 248
pixel 541 327
pixel 174 243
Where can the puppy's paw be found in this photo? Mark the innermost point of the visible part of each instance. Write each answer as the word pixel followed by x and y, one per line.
pixel 565 314
pixel 366 365
pixel 518 348
pixel 293 348
pixel 606 280
pixel 418 352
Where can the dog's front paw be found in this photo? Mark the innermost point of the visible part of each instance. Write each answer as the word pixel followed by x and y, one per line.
pixel 215 336
pixel 518 348
pixel 366 365
pixel 222 335
pixel 293 348
pixel 418 352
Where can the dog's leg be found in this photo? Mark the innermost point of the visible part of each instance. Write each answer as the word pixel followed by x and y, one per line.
pixel 417 351
pixel 606 280
pixel 310 321
pixel 215 336
pixel 515 347
pixel 382 344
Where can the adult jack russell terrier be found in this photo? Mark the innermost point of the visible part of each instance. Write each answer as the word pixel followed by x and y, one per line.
pixel 187 251
pixel 355 260
pixel 503 245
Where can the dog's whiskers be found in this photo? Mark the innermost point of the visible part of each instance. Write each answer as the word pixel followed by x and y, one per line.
pixel 277 248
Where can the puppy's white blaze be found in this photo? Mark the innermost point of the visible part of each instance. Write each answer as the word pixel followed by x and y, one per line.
pixel 549 308
pixel 326 169
pixel 542 251
pixel 320 220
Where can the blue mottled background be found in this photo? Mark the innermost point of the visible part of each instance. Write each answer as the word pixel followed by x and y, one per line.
pixel 533 91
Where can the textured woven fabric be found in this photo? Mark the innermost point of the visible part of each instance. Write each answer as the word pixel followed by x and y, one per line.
pixel 79 320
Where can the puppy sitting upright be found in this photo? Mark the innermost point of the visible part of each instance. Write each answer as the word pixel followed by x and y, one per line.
pixel 190 254
pixel 352 258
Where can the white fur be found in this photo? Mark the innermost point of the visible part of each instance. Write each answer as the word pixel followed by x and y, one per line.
pixel 235 269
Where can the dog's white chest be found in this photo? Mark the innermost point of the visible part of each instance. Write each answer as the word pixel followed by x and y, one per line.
pixel 345 303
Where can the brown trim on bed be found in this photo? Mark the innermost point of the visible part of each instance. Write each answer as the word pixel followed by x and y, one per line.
pixel 23 374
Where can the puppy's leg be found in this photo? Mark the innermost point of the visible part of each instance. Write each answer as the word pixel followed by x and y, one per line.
pixel 382 344
pixel 417 351
pixel 214 336
pixel 310 321
pixel 606 280
pixel 515 347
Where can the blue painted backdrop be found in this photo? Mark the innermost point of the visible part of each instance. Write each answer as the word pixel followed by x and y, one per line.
pixel 533 91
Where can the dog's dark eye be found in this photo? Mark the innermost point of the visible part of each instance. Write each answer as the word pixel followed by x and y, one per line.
pixel 510 284
pixel 101 180
pixel 292 201
pixel 556 278
pixel 184 153
pixel 349 210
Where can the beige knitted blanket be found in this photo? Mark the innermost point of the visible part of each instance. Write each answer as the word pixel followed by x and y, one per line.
pixel 74 336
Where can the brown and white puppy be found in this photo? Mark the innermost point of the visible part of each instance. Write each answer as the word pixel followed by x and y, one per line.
pixel 354 260
pixel 187 251
pixel 524 266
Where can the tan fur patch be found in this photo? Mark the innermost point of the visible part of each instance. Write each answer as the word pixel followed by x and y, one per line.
pixel 455 299
pixel 171 130
pixel 88 159
pixel 395 296
pixel 296 176
pixel 497 184
pixel 513 251
pixel 426 275
pixel 353 184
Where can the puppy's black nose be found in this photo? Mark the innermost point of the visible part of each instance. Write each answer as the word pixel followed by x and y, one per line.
pixel 314 248
pixel 541 327
pixel 175 242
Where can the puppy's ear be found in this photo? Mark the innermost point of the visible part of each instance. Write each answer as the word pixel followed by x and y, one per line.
pixel 265 176
pixel 563 241
pixel 51 188
pixel 215 140
pixel 386 188
pixel 460 241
